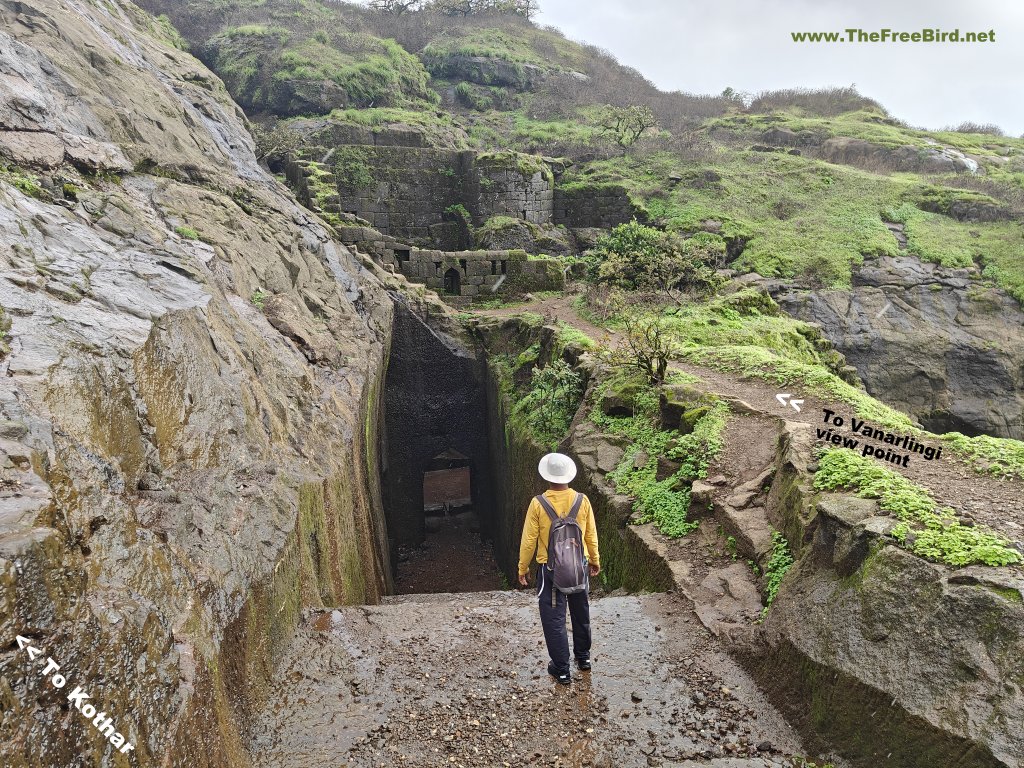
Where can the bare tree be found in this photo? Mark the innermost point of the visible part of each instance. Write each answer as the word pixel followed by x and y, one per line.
pixel 395 7
pixel 626 125
pixel 455 7
pixel 647 345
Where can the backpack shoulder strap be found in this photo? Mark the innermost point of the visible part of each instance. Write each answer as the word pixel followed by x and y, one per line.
pixel 576 504
pixel 546 506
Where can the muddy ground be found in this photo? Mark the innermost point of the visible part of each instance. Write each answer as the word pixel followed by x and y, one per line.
pixel 453 558
pixel 460 680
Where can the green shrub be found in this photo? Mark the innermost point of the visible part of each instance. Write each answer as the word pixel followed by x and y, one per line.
pixel 547 409
pixel 637 257
pixel 259 298
pixel 778 564
pixel 187 233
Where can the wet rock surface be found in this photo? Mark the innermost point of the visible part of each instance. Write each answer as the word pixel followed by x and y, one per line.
pixel 928 340
pixel 191 360
pixel 461 680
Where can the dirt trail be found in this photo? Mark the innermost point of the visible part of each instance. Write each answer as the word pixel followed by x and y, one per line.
pixel 460 680
pixel 995 502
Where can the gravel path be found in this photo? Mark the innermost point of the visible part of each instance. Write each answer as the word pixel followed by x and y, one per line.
pixel 460 680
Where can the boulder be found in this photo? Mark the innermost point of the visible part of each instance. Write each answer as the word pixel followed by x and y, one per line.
pixel 849 616
pixel 928 340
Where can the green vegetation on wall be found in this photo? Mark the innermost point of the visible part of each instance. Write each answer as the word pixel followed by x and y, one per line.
pixel 664 500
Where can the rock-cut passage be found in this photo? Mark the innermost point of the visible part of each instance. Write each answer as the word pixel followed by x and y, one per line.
pixel 435 471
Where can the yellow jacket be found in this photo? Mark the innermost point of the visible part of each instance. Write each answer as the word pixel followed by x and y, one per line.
pixel 538 526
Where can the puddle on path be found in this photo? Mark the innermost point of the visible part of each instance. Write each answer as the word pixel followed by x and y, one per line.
pixel 460 680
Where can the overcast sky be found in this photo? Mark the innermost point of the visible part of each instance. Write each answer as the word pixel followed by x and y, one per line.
pixel 704 46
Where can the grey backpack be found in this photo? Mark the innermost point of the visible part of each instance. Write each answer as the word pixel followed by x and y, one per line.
pixel 565 550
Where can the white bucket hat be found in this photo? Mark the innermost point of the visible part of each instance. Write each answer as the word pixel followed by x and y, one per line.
pixel 557 468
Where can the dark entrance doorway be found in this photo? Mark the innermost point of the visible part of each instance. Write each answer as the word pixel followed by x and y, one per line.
pixel 436 479
pixel 453 282
pixel 452 557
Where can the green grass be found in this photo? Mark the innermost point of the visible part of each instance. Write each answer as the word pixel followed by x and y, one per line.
pixel 1000 457
pixel 439 129
pixel 760 363
pixel 997 456
pixel 666 502
pixel 187 233
pixel 23 181
pixel 924 529
pixel 517 131
pixel 779 562
pixel 255 60
pixel 524 45
pixel 569 337
pixel 804 218
pixel 747 318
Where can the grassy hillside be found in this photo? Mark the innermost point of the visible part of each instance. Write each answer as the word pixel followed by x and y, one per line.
pixel 799 184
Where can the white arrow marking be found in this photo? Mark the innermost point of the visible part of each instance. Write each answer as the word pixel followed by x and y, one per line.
pixel 796 404
pixel 782 398
pixel 24 642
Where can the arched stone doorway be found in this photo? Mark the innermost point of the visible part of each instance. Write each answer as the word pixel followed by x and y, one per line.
pixel 453 282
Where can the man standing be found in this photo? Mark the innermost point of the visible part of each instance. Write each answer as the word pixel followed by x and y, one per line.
pixel 557 504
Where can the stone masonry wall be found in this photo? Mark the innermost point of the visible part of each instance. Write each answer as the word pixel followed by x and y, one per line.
pixel 478 272
pixel 595 205
pixel 402 191
pixel 522 192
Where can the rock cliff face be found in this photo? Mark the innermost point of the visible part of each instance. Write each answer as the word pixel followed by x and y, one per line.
pixel 927 340
pixel 185 440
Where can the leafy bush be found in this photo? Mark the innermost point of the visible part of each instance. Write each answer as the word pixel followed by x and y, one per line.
pixel 637 257
pixel 547 409
pixel 188 233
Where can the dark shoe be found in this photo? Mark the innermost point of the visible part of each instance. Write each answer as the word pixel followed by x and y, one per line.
pixel 583 665
pixel 562 677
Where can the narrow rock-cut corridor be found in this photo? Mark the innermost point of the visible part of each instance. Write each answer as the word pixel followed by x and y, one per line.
pixel 453 558
pixel 460 680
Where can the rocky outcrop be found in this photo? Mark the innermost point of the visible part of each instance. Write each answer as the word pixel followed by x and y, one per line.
pixel 934 342
pixel 189 403
pixel 866 154
pixel 485 70
pixel 891 659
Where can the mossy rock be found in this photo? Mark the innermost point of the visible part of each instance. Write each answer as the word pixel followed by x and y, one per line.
pixel 619 398
pixel 690 418
pixel 675 401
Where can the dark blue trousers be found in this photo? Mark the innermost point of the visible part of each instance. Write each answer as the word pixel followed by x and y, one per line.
pixel 553 621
